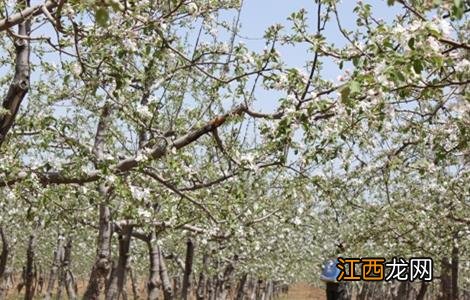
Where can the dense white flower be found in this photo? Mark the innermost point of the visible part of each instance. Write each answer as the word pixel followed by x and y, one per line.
pixel 433 44
pixel 140 156
pixel 224 48
pixel 192 8
pixel 130 45
pixel 297 221
pixel 144 111
pixel 415 25
pixel 10 195
pixel 111 178
pixel 143 213
pixel 139 193
pixel 76 69
pixel 291 99
pixel 462 65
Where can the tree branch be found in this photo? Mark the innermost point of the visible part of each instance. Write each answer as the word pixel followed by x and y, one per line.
pixel 20 84
pixel 125 165
pixel 23 15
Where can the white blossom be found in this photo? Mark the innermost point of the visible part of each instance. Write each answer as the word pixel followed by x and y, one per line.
pixel 144 111
pixel 192 8
pixel 433 44
pixel 462 65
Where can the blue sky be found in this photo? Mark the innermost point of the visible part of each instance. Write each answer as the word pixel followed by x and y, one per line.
pixel 257 15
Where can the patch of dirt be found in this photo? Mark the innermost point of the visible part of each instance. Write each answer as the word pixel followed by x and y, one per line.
pixel 304 291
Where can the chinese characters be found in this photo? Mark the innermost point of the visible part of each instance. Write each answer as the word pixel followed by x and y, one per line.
pixel 374 269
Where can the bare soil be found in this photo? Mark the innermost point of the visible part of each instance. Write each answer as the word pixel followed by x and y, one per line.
pixel 303 291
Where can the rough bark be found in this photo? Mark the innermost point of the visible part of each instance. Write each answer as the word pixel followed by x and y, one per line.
pixel 29 269
pixel 211 288
pixel 70 285
pixel 8 277
pixel 66 277
pixel 188 268
pixel 165 278
pixel 270 290
pixel 41 281
pixel 20 84
pixel 202 282
pixel 214 283
pixel 241 287
pixel 56 262
pixel 446 281
pixel 154 283
pixel 176 287
pixel 5 252
pixel 401 292
pixel 422 291
pixel 102 263
pixel 225 284
pixel 254 288
pixel 455 272
pixel 3 264
pixel 118 276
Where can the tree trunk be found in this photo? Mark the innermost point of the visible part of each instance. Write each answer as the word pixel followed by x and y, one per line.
pixel 154 282
pixel 166 282
pixel 211 288
pixel 58 257
pixel 225 284
pixel 20 83
pixel 401 290
pixel 422 291
pixel 101 266
pixel 188 267
pixel 118 276
pixel 3 264
pixel 133 283
pixel 29 270
pixel 260 289
pixel 446 281
pixel 241 287
pixel 41 281
pixel 176 287
pixel 66 276
pixel 201 286
pixel 455 272
pixel 253 289
pixel 270 290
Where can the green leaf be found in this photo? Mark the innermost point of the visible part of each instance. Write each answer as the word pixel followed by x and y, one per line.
pixel 356 61
pixel 355 87
pixel 411 43
pixel 102 16
pixel 458 9
pixel 390 2
pixel 418 66
pixel 400 76
pixel 345 99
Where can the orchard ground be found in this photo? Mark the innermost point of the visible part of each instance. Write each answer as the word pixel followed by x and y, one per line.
pixel 297 291
pixel 304 291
